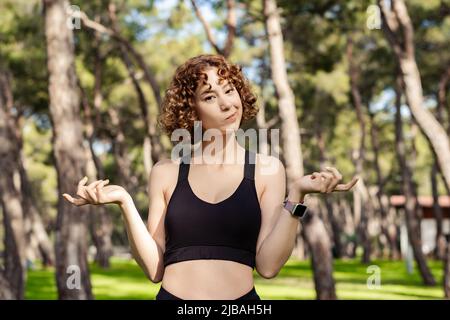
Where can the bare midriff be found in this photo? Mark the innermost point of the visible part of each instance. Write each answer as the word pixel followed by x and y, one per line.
pixel 208 279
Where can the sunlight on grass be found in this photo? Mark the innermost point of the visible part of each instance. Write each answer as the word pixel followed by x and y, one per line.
pixel 125 280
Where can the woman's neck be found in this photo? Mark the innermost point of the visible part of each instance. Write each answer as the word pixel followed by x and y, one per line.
pixel 220 150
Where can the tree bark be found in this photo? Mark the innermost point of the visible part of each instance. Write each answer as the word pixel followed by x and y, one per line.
pixel 314 230
pixel 319 245
pixel 362 206
pixel 336 229
pixel 290 132
pixel 349 247
pixel 6 292
pixel 409 190
pixel 11 199
pixel 36 235
pixel 388 229
pixel 447 271
pixel 442 96
pixel 399 31
pixel 72 271
pixel 440 249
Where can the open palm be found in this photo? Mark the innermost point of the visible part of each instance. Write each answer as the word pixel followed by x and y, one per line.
pixel 98 192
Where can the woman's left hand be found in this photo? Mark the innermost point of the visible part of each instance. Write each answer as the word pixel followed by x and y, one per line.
pixel 323 182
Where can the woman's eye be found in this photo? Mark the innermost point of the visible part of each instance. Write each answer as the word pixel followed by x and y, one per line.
pixel 229 90
pixel 209 98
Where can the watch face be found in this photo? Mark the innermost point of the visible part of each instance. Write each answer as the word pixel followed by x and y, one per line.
pixel 299 210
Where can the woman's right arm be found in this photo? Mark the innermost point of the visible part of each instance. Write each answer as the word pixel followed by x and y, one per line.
pixel 148 242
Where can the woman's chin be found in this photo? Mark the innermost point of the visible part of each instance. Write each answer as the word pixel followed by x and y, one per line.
pixel 230 127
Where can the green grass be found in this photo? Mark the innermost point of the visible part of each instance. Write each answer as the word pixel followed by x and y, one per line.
pixel 125 280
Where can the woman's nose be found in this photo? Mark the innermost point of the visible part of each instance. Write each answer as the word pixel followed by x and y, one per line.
pixel 225 104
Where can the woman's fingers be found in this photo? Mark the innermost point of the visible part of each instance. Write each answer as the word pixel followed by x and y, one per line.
pixel 99 189
pixel 335 172
pixel 81 188
pixel 91 190
pixel 337 176
pixel 87 194
pixel 94 184
pixel 328 182
pixel 102 184
pixel 82 182
pixel 347 186
pixel 77 202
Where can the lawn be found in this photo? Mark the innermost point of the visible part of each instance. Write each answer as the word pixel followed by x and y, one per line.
pixel 125 280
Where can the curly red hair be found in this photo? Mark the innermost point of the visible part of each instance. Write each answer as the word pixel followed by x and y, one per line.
pixel 178 107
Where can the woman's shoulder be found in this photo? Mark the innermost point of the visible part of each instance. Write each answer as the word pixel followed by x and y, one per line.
pixel 165 169
pixel 268 165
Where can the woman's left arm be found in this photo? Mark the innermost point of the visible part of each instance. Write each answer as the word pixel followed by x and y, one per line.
pixel 278 227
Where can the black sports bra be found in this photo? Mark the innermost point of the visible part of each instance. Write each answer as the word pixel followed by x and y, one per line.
pixel 227 230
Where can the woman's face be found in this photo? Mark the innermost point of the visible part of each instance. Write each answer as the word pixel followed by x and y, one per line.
pixel 218 105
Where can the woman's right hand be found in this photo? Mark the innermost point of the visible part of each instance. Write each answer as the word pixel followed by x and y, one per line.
pixel 97 193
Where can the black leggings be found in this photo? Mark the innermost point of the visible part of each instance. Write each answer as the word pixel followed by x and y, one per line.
pixel 163 294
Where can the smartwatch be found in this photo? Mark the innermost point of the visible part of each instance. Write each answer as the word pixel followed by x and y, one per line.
pixel 297 209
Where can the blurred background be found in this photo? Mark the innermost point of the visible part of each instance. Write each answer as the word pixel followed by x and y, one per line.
pixel 358 85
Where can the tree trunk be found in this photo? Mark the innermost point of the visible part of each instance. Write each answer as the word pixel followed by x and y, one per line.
pixel 331 214
pixel 72 271
pixel 314 230
pixel 386 228
pixel 440 249
pixel 261 122
pixel 442 96
pixel 11 199
pixel 400 34
pixel 290 132
pixel 411 202
pixel 319 244
pixel 361 204
pixel 36 235
pixel 361 201
pixel 447 271
pixel 6 292
pixel 348 228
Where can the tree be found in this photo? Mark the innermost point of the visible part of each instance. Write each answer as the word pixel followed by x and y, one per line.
pixel 231 28
pixel 410 192
pixel 72 272
pixel 14 273
pixel 314 230
pixel 362 200
pixel 399 31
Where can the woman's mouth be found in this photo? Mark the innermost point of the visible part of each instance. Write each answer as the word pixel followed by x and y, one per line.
pixel 231 118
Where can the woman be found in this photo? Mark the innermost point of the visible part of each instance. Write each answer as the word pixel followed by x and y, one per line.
pixel 213 217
